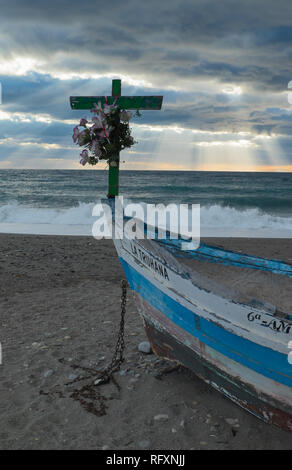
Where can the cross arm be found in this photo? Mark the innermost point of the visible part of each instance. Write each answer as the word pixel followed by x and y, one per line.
pixel 124 102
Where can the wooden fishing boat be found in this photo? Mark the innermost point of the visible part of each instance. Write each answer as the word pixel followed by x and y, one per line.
pixel 223 314
pixel 223 310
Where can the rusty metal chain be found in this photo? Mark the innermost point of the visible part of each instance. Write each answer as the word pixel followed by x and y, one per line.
pixel 118 356
pixel 89 396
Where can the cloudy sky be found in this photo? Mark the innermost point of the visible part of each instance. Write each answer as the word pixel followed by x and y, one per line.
pixel 223 68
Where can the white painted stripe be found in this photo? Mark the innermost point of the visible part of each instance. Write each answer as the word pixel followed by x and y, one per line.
pixel 231 316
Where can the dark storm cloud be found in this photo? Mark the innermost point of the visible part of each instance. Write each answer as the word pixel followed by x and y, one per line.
pixel 233 41
pixel 180 43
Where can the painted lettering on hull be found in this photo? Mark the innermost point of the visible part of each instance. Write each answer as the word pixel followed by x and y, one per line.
pixel 149 261
pixel 275 324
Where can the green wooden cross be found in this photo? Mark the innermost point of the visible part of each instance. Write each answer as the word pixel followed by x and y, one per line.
pixel 124 102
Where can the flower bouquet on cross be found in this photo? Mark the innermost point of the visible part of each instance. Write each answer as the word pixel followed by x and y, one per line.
pixel 105 135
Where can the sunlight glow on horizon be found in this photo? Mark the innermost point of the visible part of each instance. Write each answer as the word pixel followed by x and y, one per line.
pixel 68 164
pixel 136 165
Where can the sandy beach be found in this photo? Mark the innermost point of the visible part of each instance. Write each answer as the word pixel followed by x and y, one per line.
pixel 59 314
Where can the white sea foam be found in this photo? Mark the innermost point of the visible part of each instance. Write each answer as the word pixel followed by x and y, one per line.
pixel 215 221
pixel 220 217
pixel 227 221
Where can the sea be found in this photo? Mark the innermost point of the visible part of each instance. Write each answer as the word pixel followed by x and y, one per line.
pixel 232 204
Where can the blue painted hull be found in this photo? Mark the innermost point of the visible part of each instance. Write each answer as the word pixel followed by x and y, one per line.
pixel 261 359
pixel 239 349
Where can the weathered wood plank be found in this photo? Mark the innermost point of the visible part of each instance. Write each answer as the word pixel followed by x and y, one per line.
pixel 125 102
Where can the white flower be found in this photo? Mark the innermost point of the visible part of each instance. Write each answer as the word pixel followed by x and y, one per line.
pixel 125 115
pixel 108 108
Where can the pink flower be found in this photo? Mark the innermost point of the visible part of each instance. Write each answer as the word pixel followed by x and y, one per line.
pixel 75 134
pixel 97 123
pixel 84 157
pixel 109 129
pixel 98 127
pixel 84 153
pixel 108 108
pixel 97 108
pixel 83 122
pixel 81 137
pixel 95 148
pixel 98 133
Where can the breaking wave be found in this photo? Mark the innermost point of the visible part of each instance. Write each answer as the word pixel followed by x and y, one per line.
pixel 215 220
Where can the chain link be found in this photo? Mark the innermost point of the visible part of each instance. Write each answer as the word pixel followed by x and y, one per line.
pixel 118 356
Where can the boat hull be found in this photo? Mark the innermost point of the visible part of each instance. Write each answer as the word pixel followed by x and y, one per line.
pixel 167 345
pixel 223 347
